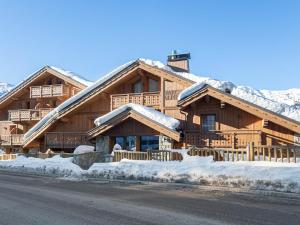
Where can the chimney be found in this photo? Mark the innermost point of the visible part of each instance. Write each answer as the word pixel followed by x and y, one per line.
pixel 179 62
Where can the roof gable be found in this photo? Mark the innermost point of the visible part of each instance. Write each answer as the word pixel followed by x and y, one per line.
pixel 145 115
pixel 240 103
pixel 68 76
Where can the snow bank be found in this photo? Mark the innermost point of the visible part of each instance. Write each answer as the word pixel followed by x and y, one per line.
pixel 198 170
pixel 203 170
pixel 55 166
pixel 81 149
pixel 148 112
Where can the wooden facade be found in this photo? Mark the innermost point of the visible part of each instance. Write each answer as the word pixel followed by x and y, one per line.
pixel 236 124
pixel 31 101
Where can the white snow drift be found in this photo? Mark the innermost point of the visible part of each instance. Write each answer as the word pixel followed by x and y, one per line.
pixel 198 170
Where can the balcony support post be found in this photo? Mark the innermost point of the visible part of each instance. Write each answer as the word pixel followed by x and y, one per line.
pixel 162 95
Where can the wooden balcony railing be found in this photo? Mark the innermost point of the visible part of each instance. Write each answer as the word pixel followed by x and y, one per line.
pixel 224 139
pixel 47 91
pixel 27 114
pixel 151 99
pixel 65 140
pixel 11 139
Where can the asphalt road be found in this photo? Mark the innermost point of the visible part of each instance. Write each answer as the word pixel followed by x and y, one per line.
pixel 27 200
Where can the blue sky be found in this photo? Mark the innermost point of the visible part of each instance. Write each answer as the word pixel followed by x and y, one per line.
pixel 254 43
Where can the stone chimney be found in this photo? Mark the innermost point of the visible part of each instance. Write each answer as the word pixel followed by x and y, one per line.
pixel 179 62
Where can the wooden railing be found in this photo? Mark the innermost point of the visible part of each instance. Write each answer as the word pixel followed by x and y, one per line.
pixel 27 114
pixel 65 140
pixel 251 153
pixel 160 155
pixel 8 156
pixel 151 99
pixel 220 154
pixel 42 155
pixel 47 91
pixel 275 153
pixel 225 139
pixel 11 139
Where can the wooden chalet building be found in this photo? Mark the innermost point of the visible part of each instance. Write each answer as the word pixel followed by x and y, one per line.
pixel 183 116
pixel 32 100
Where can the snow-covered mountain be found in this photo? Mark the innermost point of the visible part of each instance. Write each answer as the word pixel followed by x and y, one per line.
pixel 4 88
pixel 286 102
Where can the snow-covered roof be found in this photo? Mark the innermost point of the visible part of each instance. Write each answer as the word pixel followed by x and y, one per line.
pixel 52 115
pixel 35 74
pixel 148 112
pixel 73 76
pixel 271 100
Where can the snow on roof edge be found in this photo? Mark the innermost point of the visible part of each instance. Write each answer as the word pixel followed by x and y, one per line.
pixel 148 112
pixel 73 76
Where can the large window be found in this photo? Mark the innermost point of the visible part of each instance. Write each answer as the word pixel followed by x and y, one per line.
pixel 153 85
pixel 149 143
pixel 208 122
pixel 137 87
pixel 126 142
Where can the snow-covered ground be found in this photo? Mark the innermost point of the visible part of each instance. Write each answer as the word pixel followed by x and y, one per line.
pixel 55 166
pixel 198 170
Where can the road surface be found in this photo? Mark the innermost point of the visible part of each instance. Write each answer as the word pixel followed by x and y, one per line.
pixel 28 200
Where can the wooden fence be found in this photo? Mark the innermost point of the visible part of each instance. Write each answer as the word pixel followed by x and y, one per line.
pixel 47 155
pixel 161 155
pixel 251 153
pixel 8 157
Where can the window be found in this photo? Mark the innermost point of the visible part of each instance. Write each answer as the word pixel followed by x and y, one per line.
pixel 208 123
pixel 137 87
pixel 126 142
pixel 149 143
pixel 153 85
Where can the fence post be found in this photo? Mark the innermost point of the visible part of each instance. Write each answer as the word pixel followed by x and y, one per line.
pixel 149 155
pixel 250 151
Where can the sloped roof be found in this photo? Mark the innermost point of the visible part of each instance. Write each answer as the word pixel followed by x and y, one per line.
pixel 150 117
pixel 85 94
pixel 63 74
pixel 205 89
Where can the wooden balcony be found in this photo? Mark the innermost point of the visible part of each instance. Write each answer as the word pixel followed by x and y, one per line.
pixel 151 99
pixel 12 140
pixel 65 140
pixel 48 91
pixel 224 139
pixel 27 114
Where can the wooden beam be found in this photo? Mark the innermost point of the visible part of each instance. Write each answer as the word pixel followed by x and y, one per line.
pixel 162 95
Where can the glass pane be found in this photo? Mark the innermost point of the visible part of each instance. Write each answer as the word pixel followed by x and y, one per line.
pixel 137 87
pixel 130 143
pixel 149 143
pixel 121 142
pixel 153 85
pixel 208 123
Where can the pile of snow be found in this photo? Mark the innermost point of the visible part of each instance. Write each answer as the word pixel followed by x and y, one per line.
pixel 198 170
pixel 81 149
pixel 203 170
pixel 5 88
pixel 148 112
pixel 55 166
pixel 73 76
pixel 286 103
